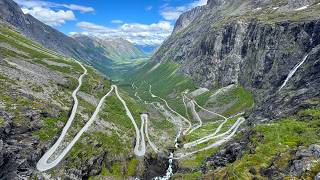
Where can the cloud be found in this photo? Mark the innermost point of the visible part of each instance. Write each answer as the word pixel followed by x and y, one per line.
pixel 53 14
pixel 91 27
pixel 149 8
pixel 82 9
pixel 170 13
pixel 50 17
pixel 116 21
pixel 137 33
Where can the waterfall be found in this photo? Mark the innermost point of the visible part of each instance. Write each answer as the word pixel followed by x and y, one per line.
pixel 169 170
pixel 293 71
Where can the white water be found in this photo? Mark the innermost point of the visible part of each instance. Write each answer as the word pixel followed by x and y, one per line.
pixel 302 8
pixel 169 170
pixel 293 71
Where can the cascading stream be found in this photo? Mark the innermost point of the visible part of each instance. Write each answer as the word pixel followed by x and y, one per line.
pixel 169 172
pixel 293 71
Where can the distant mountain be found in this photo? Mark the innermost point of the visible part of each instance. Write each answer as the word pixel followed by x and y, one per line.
pixel 48 36
pixel 118 49
pixel 148 49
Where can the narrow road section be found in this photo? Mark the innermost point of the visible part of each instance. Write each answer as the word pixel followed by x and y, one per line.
pixel 139 149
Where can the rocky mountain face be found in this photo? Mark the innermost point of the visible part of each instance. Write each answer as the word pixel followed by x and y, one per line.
pixel 48 36
pixel 118 49
pixel 252 43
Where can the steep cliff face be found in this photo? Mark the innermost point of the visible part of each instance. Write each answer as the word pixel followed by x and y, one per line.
pixel 256 44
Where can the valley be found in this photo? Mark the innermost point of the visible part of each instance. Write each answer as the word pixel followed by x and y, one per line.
pixel 232 93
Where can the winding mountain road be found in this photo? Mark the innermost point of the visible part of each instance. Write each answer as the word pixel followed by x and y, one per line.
pixel 175 112
pixel 217 143
pixel 152 145
pixel 195 115
pixel 139 149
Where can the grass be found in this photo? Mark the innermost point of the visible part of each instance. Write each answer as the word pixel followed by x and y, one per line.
pixel 1 121
pixel 203 98
pixel 272 139
pixel 50 127
pixel 119 170
pixel 207 129
pixel 241 98
pixel 91 144
pixel 189 176
pixel 163 79
pixel 196 160
pixel 132 166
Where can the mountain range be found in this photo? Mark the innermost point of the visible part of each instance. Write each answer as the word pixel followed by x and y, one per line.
pixel 118 49
pixel 80 47
pixel 233 93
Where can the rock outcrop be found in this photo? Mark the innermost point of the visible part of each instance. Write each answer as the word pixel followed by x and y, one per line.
pixel 252 43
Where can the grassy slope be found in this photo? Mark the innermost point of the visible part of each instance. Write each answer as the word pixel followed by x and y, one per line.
pixel 94 84
pixel 273 144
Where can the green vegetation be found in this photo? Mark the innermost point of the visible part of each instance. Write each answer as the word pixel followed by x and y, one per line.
pixel 163 79
pixel 1 121
pixel 209 129
pixel 50 127
pixel 197 159
pixel 162 124
pixel 55 114
pixel 93 82
pixel 166 83
pixel 120 170
pixel 272 140
pixel 311 112
pixel 203 98
pixel 132 166
pixel 114 112
pixel 95 144
pixel 244 100
pixel 193 175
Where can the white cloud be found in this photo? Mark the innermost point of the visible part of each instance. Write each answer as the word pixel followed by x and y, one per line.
pixel 53 14
pixel 116 21
pixel 82 9
pixel 137 33
pixel 149 8
pixel 90 27
pixel 137 27
pixel 50 17
pixel 172 13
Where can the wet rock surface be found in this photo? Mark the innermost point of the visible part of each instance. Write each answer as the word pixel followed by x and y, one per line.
pixel 157 166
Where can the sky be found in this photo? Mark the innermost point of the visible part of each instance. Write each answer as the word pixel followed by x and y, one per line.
pixel 142 22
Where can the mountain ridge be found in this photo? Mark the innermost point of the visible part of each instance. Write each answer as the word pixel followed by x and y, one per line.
pixel 117 49
pixel 244 48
